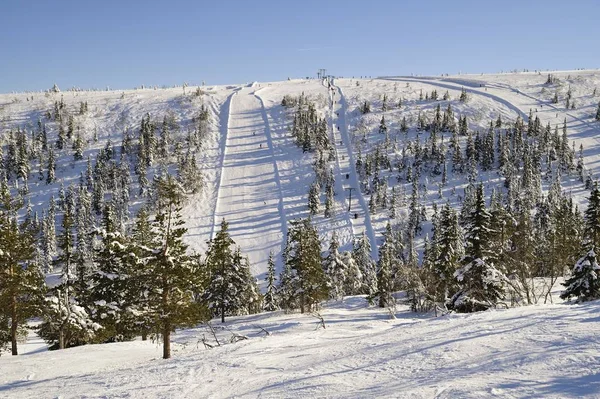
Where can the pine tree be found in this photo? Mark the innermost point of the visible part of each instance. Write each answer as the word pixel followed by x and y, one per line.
pixel 598 113
pixel 313 198
pixel 329 202
pixel 21 282
pixel 449 246
pixel 481 283
pixel 307 282
pixel 592 218
pixel 78 147
pixel 170 273
pixel 584 282
pixel 335 269
pixel 51 173
pixel 384 271
pixel 382 126
pixel 361 253
pixel 221 292
pixel 270 295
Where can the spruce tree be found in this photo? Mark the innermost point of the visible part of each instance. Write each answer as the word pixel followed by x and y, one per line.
pixel 313 198
pixel 303 256
pixel 270 296
pixel 385 267
pixel 335 269
pixel 450 248
pixel 21 282
pixel 219 259
pixel 481 283
pixel 169 270
pixel 584 282
pixel 592 218
pixel 361 253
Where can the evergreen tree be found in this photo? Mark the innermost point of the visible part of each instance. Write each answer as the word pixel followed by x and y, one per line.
pixel 361 254
pixel 335 269
pixel 583 283
pixel 592 218
pixel 51 174
pixel 382 126
pixel 270 295
pixel 598 113
pixel 449 247
pixel 306 281
pixel 384 271
pixel 313 198
pixel 481 283
pixel 224 288
pixel 21 282
pixel 169 270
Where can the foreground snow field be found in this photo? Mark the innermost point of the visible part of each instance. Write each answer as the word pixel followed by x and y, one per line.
pixel 545 351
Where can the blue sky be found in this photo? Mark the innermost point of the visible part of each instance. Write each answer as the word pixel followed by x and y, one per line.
pixel 128 43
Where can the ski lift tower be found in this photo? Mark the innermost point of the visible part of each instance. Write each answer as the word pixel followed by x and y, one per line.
pixel 321 73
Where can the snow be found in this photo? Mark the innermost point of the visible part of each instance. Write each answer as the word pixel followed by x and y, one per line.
pixel 257 178
pixel 549 351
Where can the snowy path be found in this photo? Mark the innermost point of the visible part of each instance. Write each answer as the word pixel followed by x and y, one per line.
pixel 249 193
pixel 446 85
pixel 346 166
pixel 549 351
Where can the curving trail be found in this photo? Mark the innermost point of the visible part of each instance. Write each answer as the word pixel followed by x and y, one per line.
pixel 249 194
pixel 447 85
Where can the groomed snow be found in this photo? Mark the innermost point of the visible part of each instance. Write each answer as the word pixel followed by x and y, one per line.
pixel 549 351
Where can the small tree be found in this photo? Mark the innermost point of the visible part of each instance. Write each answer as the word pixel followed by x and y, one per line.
pixel 270 296
pixel 584 282
pixel 306 281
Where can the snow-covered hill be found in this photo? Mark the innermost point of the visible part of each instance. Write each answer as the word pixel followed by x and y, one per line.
pixel 258 179
pixel 549 351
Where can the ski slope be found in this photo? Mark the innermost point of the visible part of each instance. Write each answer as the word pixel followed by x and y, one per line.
pixel 249 195
pixel 546 351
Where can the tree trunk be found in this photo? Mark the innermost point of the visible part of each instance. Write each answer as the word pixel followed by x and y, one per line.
pixel 61 338
pixel 13 325
pixel 167 341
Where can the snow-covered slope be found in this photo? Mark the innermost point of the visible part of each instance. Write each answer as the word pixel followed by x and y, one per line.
pixel 549 351
pixel 258 179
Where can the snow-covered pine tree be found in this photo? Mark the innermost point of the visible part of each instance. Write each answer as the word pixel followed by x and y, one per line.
pixel 270 299
pixel 51 168
pixel 361 253
pixel 303 255
pixel 449 248
pixel 481 283
pixel 329 202
pixel 385 270
pixel 219 259
pixel 584 282
pixel 592 218
pixel 169 270
pixel 313 198
pixel 335 269
pixel 382 126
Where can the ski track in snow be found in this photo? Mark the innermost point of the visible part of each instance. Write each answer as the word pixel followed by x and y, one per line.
pixel 348 166
pixel 249 193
